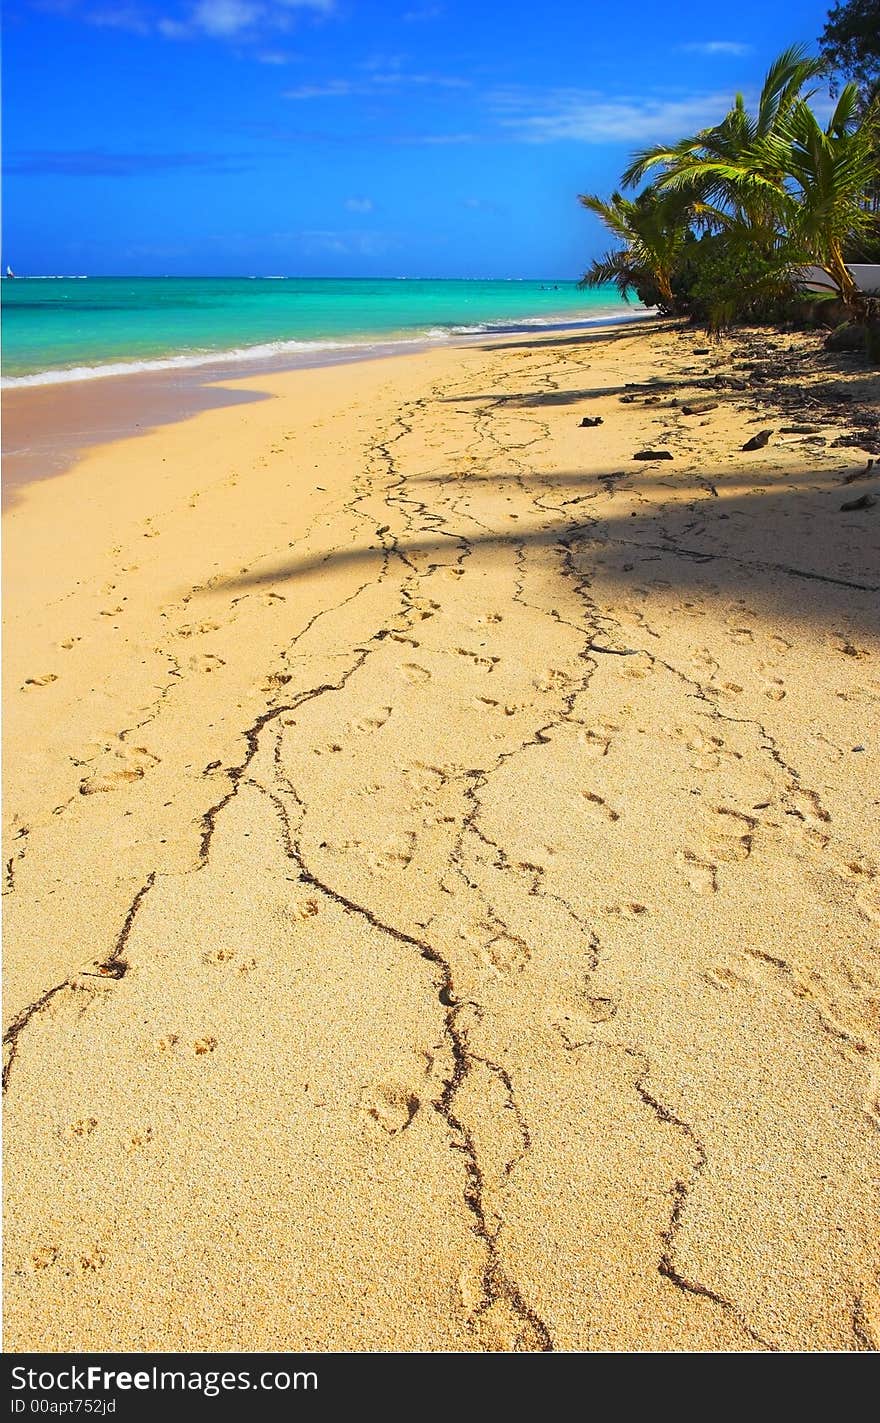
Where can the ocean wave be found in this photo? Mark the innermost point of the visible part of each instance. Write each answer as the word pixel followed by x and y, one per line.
pixel 272 350
pixel 184 361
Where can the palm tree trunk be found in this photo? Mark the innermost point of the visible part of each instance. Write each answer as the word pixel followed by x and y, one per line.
pixel 664 288
pixel 852 298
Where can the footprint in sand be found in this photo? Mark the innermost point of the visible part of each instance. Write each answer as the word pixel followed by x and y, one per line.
pixel 699 874
pixel 424 777
pixel 44 1257
pixel 775 689
pixel 204 1045
pixel 722 977
pixel 392 1107
pixel 575 1022
pixel 415 674
pixel 275 681
pixel 595 742
pixel 868 901
pixel 598 808
pixel 576 1025
pixel 305 908
pixel 486 664
pixel 84 1127
pixel 373 720
pixel 551 680
pixel 140 1139
pixel 128 765
pixel 205 662
pixel 505 953
pixel 218 956
pixel 728 833
pixel 628 909
pixel 110 780
pixel 574 1030
pixel 807 805
pixel 702 657
pixel 426 609
pixel 856 867
pixel 42 681
pixel 197 629
pixel 396 854
pixel 93 1259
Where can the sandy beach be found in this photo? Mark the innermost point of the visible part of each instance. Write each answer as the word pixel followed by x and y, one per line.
pixel 441 863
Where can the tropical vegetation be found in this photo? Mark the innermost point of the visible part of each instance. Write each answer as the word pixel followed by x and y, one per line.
pixel 731 216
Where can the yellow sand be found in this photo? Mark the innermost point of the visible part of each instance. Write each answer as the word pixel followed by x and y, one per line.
pixel 442 907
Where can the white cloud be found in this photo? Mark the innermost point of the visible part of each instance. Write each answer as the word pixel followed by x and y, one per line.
pixel 330 89
pixel 361 244
pixel 577 116
pixel 711 47
pixel 438 81
pixel 437 140
pixel 424 12
pixel 374 84
pixel 225 17
pixel 274 56
pixel 234 19
pixel 359 204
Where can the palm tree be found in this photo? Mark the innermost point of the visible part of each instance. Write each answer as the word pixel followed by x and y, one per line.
pixel 795 183
pixel 728 168
pixel 653 228
pixel 831 173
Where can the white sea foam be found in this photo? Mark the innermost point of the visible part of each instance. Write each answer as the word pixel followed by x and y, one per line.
pixel 273 350
pixel 183 362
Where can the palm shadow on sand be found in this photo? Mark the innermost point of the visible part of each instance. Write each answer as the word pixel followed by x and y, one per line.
pixel 783 546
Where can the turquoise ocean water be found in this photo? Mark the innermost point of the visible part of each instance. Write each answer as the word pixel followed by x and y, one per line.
pixel 66 328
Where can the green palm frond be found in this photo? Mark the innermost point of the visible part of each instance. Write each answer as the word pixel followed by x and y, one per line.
pixel 783 84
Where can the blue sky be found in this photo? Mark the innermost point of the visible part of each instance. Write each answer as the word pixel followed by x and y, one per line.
pixel 350 137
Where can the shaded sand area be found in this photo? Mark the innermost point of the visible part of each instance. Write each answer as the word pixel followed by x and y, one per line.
pixel 442 905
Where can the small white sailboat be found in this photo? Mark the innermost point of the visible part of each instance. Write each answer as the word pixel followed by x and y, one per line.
pixel 9 271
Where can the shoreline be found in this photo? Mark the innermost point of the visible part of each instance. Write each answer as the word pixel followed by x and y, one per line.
pixel 296 354
pixel 453 839
pixel 48 425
